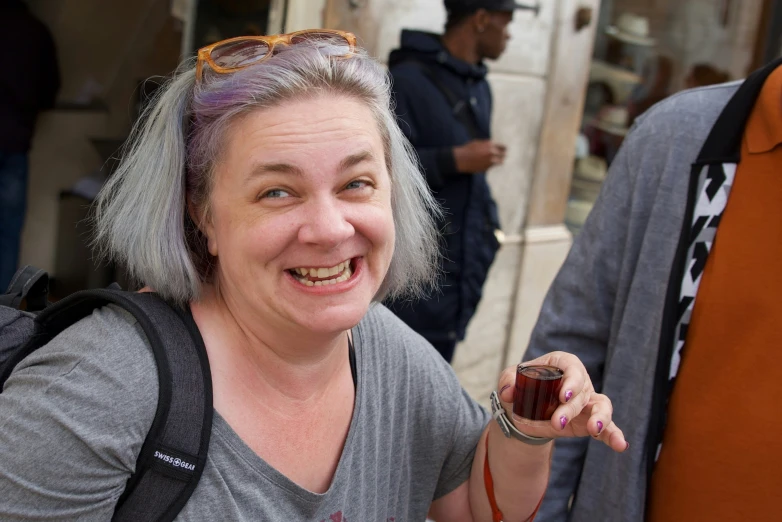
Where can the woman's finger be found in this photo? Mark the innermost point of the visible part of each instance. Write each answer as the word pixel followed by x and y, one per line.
pixel 614 438
pixel 602 427
pixel 567 411
pixel 575 380
pixel 575 377
pixel 506 387
pixel 600 416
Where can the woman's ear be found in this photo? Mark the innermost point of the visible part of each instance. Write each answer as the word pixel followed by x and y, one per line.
pixel 203 224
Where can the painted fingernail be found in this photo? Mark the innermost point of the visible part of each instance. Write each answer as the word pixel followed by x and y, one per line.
pixel 568 395
pixel 599 427
pixel 628 446
pixel 563 421
pixel 504 388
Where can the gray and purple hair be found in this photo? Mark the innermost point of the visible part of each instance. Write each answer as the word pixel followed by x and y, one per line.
pixel 141 215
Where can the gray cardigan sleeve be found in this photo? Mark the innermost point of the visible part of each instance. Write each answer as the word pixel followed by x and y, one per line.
pixel 577 312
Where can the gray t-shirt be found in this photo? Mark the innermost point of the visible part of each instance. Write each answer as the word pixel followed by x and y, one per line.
pixel 73 417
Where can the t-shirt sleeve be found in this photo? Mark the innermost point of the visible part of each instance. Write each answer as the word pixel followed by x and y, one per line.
pixel 468 420
pixel 73 418
pixel 446 422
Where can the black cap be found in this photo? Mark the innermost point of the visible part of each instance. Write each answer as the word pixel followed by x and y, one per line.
pixel 470 6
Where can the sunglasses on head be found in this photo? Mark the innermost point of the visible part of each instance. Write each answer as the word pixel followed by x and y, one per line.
pixel 238 53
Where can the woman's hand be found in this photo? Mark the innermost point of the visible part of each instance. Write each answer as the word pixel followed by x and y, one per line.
pixel 582 411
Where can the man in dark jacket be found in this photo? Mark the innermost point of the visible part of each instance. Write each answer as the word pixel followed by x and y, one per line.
pixel 29 81
pixel 444 104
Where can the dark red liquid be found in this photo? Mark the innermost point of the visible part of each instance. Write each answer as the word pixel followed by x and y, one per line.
pixel 537 392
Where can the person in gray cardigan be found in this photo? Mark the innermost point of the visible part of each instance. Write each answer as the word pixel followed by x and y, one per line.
pixel 619 302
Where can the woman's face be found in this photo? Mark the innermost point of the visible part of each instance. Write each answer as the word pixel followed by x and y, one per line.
pixel 300 218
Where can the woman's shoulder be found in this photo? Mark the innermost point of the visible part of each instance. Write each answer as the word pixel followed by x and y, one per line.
pixel 103 359
pixel 392 343
pixel 76 413
pixel 110 340
pixel 380 326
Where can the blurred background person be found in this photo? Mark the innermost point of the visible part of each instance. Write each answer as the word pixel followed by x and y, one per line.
pixel 29 81
pixel 444 105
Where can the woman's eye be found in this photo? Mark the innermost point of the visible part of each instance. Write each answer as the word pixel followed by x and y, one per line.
pixel 357 184
pixel 274 194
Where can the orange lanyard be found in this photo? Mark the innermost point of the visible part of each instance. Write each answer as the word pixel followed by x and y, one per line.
pixel 496 514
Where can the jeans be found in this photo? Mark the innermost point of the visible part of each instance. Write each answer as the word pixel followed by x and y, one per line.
pixel 13 204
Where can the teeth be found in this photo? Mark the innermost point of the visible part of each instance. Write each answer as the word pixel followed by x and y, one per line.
pixel 345 276
pixel 342 270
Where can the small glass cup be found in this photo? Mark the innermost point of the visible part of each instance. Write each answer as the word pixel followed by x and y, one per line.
pixel 537 392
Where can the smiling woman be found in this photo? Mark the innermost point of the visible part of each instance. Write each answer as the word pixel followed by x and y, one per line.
pixel 270 196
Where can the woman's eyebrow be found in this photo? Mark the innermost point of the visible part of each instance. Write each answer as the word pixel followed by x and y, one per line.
pixel 263 169
pixel 355 159
pixel 287 168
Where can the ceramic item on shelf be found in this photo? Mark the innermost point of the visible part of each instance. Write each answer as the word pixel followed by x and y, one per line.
pixel 632 29
pixel 612 119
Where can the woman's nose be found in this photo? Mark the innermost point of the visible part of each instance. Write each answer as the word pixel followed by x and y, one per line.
pixel 325 224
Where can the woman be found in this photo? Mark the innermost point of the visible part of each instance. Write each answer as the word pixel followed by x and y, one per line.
pixel 271 189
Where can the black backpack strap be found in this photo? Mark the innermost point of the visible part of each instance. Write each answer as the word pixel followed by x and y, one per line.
pixel 459 107
pixel 173 455
pixel 28 283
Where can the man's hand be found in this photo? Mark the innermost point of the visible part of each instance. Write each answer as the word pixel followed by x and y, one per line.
pixel 478 156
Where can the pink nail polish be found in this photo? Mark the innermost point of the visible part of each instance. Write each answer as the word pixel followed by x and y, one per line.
pixel 563 421
pixel 628 446
pixel 599 427
pixel 568 395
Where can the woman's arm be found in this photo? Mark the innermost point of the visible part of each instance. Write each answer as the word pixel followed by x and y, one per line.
pixel 522 479
pixel 520 471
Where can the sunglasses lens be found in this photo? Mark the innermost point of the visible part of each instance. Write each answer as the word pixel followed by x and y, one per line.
pixel 331 43
pixel 239 54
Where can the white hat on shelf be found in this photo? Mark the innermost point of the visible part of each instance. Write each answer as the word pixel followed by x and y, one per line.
pixel 576 213
pixel 581 190
pixel 591 168
pixel 608 72
pixel 612 119
pixel 632 29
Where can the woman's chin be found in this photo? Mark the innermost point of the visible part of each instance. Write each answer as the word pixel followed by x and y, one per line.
pixel 332 320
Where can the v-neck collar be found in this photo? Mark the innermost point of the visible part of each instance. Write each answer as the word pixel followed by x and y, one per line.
pixel 224 431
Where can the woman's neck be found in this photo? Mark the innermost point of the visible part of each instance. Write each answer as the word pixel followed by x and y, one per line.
pixel 264 360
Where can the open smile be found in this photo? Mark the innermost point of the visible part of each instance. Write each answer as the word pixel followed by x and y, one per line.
pixel 323 276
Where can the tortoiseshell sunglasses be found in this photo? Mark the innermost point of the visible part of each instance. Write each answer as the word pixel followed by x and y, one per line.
pixel 238 53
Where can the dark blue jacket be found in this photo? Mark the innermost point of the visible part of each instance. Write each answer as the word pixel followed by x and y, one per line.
pixel 427 119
